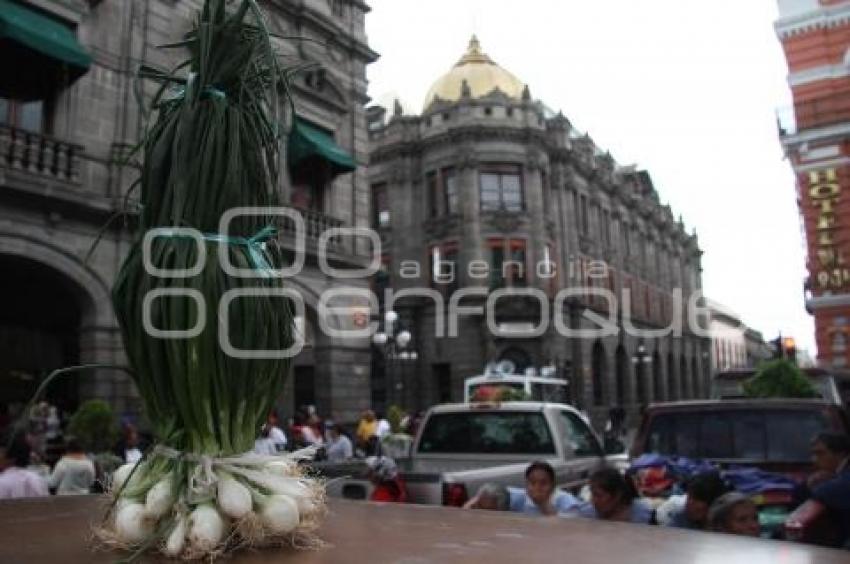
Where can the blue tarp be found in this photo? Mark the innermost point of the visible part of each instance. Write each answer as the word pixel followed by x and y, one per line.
pixel 754 481
pixel 743 479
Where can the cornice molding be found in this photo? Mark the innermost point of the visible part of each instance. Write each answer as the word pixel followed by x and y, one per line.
pixel 823 18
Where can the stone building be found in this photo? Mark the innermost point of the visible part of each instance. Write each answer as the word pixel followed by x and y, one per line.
pixel 489 186
pixel 733 344
pixel 68 114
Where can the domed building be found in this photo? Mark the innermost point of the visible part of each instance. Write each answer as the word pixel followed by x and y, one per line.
pixel 501 227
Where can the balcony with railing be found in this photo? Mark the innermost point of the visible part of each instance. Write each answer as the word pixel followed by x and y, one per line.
pixel 315 223
pixel 39 155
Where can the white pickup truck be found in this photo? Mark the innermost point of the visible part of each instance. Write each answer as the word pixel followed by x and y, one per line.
pixel 459 447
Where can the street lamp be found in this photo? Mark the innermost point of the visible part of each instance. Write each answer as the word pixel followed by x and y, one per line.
pixel 394 344
pixel 640 359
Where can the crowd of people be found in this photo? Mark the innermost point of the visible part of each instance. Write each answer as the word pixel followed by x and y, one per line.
pixel 707 505
pixel 38 456
pixel 74 472
pixel 333 442
pixel 707 502
pixel 613 497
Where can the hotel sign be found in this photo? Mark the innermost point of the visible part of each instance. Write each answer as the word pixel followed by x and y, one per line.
pixel 828 263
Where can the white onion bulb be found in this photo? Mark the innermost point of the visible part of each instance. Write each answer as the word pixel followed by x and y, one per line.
pixel 280 514
pixel 176 538
pixel 132 525
pixel 160 499
pixel 206 528
pixel 234 499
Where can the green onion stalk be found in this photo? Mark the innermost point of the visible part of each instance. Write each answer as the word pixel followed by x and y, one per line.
pixel 213 146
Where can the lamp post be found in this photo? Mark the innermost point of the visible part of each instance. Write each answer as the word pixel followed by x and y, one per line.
pixel 393 342
pixel 640 359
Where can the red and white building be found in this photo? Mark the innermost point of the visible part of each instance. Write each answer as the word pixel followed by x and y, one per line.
pixel 815 36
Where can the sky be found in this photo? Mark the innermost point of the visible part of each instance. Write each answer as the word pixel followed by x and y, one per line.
pixel 685 89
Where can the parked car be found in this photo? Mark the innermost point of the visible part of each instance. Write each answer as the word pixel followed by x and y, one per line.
pixel 459 447
pixel 770 434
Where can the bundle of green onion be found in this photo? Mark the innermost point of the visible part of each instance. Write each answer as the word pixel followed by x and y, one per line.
pixel 215 146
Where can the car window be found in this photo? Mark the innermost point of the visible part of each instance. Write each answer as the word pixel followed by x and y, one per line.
pixel 716 436
pixel 675 434
pixel 577 435
pixel 748 435
pixel 776 435
pixel 790 433
pixel 492 432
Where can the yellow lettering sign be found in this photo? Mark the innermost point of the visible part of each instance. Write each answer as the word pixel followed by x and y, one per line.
pixel 826 221
pixel 825 205
pixel 827 257
pixel 823 191
pixel 833 279
pixel 823 176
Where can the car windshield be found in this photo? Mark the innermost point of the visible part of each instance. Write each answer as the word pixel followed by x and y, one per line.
pixel 495 432
pixel 774 435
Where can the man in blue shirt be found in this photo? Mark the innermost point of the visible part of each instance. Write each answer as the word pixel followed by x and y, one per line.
pixel 831 453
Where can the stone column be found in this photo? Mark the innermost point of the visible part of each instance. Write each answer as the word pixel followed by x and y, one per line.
pixel 405 221
pixel 342 381
pixel 534 199
pixel 473 247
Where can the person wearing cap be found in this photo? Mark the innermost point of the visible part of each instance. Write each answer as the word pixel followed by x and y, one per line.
pixel 383 473
pixel 734 513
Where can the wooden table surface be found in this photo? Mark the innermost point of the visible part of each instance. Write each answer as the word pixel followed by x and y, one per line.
pixel 55 530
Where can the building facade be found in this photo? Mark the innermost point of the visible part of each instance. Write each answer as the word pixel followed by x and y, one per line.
pixel 815 36
pixel 64 136
pixel 487 193
pixel 733 344
pixel 757 350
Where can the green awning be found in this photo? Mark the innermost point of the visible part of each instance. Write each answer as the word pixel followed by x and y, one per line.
pixel 38 52
pixel 308 142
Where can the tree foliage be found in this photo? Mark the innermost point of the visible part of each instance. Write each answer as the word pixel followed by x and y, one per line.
pixel 94 425
pixel 779 378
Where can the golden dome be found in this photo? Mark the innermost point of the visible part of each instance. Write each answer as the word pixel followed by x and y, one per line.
pixel 480 73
